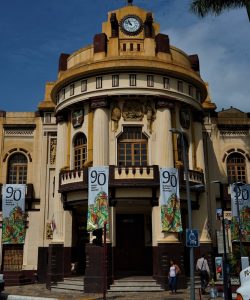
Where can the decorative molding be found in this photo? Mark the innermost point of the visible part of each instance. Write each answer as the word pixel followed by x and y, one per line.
pixel 61 117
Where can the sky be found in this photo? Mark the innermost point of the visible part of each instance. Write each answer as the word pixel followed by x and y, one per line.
pixel 34 34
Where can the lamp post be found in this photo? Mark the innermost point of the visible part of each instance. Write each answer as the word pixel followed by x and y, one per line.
pixel 186 172
pixel 237 185
pixel 226 276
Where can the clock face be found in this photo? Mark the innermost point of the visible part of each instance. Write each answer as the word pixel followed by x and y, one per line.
pixel 131 25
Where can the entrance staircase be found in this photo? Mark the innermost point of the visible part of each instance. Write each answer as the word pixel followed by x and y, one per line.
pixel 135 284
pixel 69 285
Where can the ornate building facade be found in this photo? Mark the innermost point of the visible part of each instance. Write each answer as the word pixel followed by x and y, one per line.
pixel 113 104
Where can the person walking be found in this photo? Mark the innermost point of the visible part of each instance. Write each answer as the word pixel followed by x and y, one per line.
pixel 204 272
pixel 174 270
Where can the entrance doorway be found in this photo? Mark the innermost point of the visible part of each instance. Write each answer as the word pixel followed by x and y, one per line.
pixel 132 255
pixel 80 238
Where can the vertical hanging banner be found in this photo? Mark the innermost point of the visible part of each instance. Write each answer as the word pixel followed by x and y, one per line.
pixel 98 198
pixel 170 200
pixel 240 196
pixel 13 228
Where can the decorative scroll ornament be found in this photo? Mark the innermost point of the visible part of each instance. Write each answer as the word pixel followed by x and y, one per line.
pixel 132 111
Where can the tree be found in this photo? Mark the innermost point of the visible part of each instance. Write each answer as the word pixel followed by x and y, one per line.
pixel 215 7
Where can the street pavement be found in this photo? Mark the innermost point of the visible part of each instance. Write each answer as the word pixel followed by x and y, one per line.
pixel 39 292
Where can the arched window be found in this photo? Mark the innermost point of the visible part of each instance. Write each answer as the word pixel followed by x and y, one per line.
pixel 180 147
pixel 236 168
pixel 80 150
pixel 132 147
pixel 17 169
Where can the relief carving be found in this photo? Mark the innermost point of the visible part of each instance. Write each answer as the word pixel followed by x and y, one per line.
pixel 115 117
pixel 53 143
pixel 77 118
pixel 132 111
pixel 150 116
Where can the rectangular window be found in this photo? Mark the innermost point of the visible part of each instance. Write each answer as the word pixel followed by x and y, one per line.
pixel 115 80
pixel 132 79
pixel 84 85
pixel 166 83
pixel 131 47
pixel 72 89
pixel 124 47
pixel 180 86
pixel 98 82
pixel 47 118
pixel 198 95
pixel 191 91
pixel 62 94
pixel 150 80
pixel 138 47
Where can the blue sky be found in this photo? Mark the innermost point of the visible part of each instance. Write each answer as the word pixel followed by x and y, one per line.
pixel 34 33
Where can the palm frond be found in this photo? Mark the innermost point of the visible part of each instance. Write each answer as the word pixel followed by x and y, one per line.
pixel 215 7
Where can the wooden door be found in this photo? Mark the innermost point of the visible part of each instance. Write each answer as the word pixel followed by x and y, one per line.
pixel 130 252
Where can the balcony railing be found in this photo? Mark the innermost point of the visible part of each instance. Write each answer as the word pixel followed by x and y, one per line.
pixel 147 176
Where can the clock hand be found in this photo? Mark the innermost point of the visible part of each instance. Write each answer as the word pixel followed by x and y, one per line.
pixel 129 23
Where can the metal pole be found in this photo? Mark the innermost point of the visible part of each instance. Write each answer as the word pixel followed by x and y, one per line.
pixel 105 261
pixel 239 220
pixel 191 249
pixel 226 277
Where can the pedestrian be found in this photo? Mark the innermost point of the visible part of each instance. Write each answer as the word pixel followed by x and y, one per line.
pixel 174 270
pixel 204 272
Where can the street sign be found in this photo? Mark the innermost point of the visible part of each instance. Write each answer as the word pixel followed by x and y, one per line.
pixel 192 238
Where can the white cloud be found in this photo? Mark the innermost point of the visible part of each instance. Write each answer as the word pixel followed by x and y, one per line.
pixel 223 46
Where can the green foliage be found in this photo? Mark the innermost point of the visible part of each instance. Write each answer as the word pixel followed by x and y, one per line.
pixel 216 7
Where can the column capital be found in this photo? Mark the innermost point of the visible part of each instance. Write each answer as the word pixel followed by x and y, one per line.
pixel 61 117
pixel 99 102
pixel 164 103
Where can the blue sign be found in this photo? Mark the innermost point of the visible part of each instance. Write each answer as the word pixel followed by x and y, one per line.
pixel 192 238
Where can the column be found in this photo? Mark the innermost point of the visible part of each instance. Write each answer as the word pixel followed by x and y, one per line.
pixel 61 161
pixel 100 133
pixel 163 158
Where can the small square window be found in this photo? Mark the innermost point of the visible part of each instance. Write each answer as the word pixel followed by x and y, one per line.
pixel 72 89
pixel 180 86
pixel 84 85
pixel 98 82
pixel 115 80
pixel 150 80
pixel 132 79
pixel 166 83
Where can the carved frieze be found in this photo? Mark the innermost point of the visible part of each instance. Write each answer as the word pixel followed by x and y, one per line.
pixel 132 111
pixel 99 103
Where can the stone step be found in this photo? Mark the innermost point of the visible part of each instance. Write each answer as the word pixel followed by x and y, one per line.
pixel 134 289
pixel 135 285
pixel 69 285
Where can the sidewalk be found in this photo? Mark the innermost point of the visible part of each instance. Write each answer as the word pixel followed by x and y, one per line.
pixel 39 290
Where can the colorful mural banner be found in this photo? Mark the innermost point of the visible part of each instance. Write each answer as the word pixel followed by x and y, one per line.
pixel 14 217
pixel 240 196
pixel 170 200
pixel 98 198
